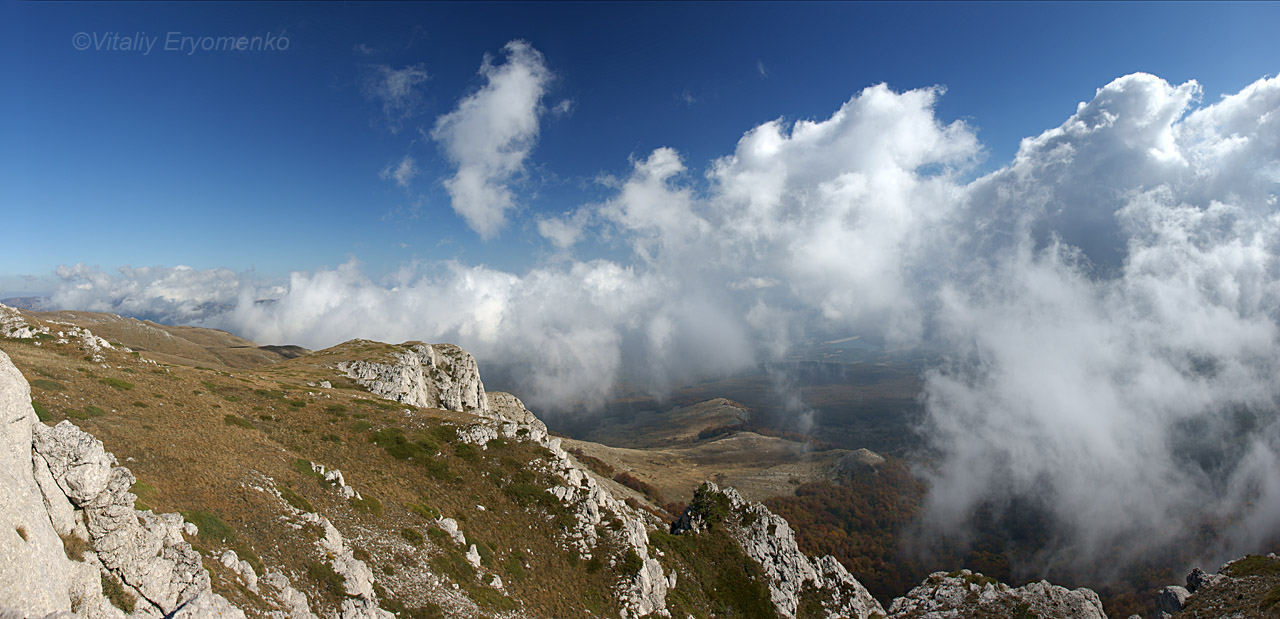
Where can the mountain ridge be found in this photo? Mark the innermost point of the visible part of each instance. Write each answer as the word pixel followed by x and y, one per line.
pixel 370 480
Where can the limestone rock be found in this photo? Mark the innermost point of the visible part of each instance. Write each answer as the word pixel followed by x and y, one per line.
pixel 1198 579
pixel 35 574
pixel 61 480
pixel 450 526
pixel 964 593
pixel 1171 599
pixel 473 556
pixel 426 375
pixel 291 599
pixel 358 578
pixel 76 460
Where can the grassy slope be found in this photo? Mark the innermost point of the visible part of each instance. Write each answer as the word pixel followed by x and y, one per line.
pixel 201 440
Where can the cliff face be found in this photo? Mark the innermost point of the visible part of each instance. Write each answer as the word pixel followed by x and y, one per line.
pixel 427 375
pixel 69 527
pixel 794 579
pixel 447 377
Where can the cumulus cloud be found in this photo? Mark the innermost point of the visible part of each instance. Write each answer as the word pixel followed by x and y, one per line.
pixel 397 91
pixel 1107 304
pixel 565 230
pixel 490 134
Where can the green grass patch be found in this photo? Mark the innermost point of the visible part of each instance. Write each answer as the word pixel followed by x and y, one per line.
pixel 366 504
pixel 413 536
pixel 48 385
pixel 713 507
pixel 116 594
pixel 144 491
pixel 974 579
pixel 297 501
pixel 445 433
pixel 303 467
pixel 331 583
pixel 1271 599
pixel 236 420
pixel 382 404
pixel 467 452
pixel 334 409
pixel 401 447
pixel 212 530
pixel 297 403
pixel 422 509
pixel 721 579
pixel 1254 565
pixel 116 383
pixel 139 404
pixel 361 426
pixel 513 567
pixel 42 413
pixel 231 398
pixel 89 412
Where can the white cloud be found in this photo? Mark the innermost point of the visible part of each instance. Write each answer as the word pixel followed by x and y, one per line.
pixel 563 108
pixel 402 173
pixel 1108 304
pixel 764 71
pixel 490 134
pixel 566 230
pixel 397 91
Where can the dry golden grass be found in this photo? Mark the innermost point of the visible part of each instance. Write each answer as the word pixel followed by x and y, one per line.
pixel 171 431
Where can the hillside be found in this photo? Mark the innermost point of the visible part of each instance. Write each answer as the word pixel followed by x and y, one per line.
pixel 337 501
pixel 378 480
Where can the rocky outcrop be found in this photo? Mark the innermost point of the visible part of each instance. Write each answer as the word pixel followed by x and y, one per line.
pixel 14 325
pixel 35 575
pixel 854 463
pixel 964 593
pixel 1243 587
pixel 60 481
pixel 445 376
pixel 427 375
pixel 768 539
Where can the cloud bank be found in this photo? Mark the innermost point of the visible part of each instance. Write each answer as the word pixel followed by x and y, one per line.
pixel 1108 303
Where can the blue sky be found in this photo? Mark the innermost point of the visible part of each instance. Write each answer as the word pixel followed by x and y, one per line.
pixel 271 160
